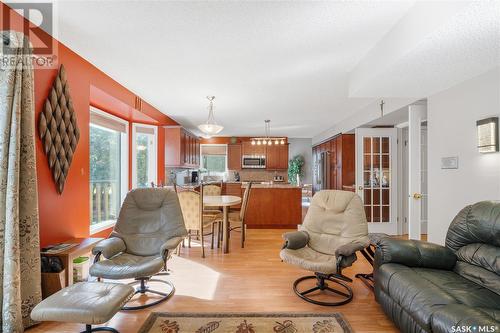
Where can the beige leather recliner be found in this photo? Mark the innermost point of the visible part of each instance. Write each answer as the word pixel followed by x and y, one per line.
pixel 334 228
pixel 149 228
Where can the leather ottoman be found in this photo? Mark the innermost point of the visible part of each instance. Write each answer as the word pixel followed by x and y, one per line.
pixel 88 303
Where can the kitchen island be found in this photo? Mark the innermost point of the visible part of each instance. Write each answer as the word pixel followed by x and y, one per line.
pixel 271 206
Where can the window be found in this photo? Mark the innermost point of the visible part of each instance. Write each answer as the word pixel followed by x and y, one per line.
pixel 108 168
pixel 144 153
pixel 214 158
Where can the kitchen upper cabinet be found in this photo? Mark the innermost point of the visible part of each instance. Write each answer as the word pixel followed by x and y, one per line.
pixel 182 149
pixel 234 156
pixel 272 157
pixel 249 149
pixel 283 156
pixel 277 157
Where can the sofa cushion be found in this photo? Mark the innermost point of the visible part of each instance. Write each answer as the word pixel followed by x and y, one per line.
pixel 423 291
pixel 482 255
pixel 479 275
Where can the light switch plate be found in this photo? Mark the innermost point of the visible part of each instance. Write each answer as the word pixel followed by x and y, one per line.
pixel 450 162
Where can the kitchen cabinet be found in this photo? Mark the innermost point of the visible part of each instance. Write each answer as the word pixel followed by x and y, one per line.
pixel 182 148
pixel 234 157
pixel 283 157
pixel 249 149
pixel 274 207
pixel 334 163
pixel 277 157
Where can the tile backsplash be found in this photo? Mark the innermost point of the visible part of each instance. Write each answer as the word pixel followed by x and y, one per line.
pixel 261 175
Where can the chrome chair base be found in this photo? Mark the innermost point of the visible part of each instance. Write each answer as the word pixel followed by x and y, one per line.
pixel 322 285
pixel 144 289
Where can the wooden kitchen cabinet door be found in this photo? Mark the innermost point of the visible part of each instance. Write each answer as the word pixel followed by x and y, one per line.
pixel 197 160
pixel 234 157
pixel 247 148
pixel 283 157
pixel 184 150
pixel 272 157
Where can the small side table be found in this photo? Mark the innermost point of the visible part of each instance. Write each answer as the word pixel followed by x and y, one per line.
pixel 369 254
pixel 85 246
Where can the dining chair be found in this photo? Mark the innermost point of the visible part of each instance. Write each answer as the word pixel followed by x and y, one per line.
pixel 196 221
pixel 212 189
pixel 236 218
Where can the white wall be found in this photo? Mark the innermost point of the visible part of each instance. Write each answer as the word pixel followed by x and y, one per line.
pixel 452 116
pixel 299 146
pixel 366 114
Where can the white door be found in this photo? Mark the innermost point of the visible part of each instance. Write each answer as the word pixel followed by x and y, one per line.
pixel 376 177
pixel 144 155
pixel 416 169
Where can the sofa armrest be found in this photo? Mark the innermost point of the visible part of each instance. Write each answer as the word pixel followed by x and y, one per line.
pixel 169 245
pixel 413 253
pixel 295 240
pixel 109 247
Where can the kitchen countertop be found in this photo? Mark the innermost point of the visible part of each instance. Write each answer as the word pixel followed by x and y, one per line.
pixel 243 185
pixel 275 185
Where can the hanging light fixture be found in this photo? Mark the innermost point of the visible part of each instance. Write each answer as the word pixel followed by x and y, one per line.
pixel 210 127
pixel 268 130
pixel 267 139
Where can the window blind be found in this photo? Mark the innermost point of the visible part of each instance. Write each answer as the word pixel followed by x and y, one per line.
pixel 107 122
pixel 213 150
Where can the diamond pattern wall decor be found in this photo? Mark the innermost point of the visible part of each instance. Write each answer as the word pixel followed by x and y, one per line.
pixel 58 129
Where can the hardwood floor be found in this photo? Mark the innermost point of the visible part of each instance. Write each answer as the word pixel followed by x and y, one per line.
pixel 252 279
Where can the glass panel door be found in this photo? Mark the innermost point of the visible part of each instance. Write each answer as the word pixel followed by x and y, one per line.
pixel 375 169
pixel 144 155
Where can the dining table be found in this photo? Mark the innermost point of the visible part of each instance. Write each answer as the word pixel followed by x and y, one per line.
pixel 224 201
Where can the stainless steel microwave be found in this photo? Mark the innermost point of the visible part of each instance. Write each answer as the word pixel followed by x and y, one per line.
pixel 253 162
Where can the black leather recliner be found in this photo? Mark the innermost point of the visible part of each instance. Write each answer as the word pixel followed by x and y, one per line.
pixel 424 287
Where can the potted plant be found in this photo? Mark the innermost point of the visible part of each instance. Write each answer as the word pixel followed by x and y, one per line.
pixel 295 169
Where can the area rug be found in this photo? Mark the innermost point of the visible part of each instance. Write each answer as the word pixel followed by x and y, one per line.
pixel 160 322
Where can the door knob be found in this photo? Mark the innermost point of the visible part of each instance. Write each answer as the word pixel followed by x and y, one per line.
pixel 360 187
pixel 417 196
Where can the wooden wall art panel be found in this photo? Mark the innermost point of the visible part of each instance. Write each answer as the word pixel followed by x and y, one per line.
pixel 58 129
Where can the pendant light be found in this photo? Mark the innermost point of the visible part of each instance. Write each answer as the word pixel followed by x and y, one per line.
pixel 210 128
pixel 267 140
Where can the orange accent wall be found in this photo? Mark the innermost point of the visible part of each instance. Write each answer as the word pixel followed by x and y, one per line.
pixel 67 215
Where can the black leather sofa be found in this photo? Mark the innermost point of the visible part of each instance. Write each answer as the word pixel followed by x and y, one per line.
pixel 424 287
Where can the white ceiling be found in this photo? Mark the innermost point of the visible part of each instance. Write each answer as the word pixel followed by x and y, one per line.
pixel 290 62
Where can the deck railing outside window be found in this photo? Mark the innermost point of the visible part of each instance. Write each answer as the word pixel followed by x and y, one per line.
pixel 104 200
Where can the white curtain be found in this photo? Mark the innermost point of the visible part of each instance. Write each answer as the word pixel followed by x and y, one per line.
pixel 19 236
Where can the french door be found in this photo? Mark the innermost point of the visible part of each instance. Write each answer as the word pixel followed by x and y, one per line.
pixel 376 177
